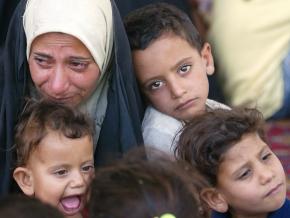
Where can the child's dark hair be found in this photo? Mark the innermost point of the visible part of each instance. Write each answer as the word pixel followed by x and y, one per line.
pixel 136 187
pixel 148 23
pixel 22 206
pixel 41 117
pixel 205 139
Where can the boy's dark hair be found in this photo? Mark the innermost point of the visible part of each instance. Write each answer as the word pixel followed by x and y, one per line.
pixel 147 24
pixel 21 206
pixel 136 187
pixel 41 117
pixel 204 141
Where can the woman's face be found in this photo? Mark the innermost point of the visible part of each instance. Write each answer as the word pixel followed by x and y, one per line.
pixel 62 68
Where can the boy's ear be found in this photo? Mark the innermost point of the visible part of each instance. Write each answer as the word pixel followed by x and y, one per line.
pixel 24 179
pixel 207 56
pixel 215 200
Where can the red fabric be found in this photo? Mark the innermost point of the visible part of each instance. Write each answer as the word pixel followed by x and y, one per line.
pixel 85 213
pixel 278 134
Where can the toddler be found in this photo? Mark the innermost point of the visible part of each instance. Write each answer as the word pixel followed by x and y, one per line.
pixel 55 156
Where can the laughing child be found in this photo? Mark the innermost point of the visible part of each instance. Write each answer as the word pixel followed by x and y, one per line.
pixel 55 156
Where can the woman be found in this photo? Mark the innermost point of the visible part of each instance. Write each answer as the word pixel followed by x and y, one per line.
pixel 59 40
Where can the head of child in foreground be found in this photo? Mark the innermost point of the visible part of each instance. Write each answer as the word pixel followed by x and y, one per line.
pixel 170 62
pixel 21 206
pixel 136 187
pixel 228 147
pixel 54 155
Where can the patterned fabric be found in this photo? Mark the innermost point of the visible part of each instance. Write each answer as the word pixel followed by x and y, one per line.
pixel 278 134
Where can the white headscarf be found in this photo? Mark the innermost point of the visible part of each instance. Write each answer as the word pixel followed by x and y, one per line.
pixel 91 22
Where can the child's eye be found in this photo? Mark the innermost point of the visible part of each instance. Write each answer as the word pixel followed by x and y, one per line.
pixel 61 172
pixel 156 85
pixel 184 69
pixel 88 168
pixel 266 156
pixel 245 174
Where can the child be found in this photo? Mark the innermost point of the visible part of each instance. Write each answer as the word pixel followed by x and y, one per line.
pixel 134 187
pixel 228 147
pixel 55 156
pixel 171 66
pixel 21 206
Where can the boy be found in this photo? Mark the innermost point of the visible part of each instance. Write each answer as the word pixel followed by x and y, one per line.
pixel 171 66
pixel 228 147
pixel 55 156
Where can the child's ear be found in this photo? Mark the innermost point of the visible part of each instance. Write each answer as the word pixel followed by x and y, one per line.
pixel 215 200
pixel 207 56
pixel 24 179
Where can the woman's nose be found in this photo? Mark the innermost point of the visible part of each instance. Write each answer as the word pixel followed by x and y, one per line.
pixel 59 81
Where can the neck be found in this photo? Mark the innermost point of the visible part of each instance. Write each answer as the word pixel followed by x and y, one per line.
pixel 263 215
pixel 78 215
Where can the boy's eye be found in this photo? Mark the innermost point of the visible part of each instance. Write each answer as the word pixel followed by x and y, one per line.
pixel 155 85
pixel 184 69
pixel 266 156
pixel 244 174
pixel 61 172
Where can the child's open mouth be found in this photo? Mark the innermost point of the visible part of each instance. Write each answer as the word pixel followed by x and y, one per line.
pixel 71 205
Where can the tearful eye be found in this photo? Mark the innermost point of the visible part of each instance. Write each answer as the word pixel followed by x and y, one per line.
pixel 42 62
pixel 78 65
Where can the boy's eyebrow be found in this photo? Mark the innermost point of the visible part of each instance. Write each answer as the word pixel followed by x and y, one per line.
pixel 179 63
pixel 265 146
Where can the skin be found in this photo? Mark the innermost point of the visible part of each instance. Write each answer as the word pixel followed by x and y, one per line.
pixel 61 167
pixel 62 68
pixel 251 179
pixel 173 75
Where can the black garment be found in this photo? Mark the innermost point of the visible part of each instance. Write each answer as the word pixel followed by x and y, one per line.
pixel 121 129
pixel 6 9
pixel 125 6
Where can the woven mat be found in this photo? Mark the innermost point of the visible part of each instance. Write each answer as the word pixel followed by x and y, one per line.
pixel 278 134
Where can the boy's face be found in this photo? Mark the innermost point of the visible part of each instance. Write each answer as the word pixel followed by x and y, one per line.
pixel 61 170
pixel 173 76
pixel 251 178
